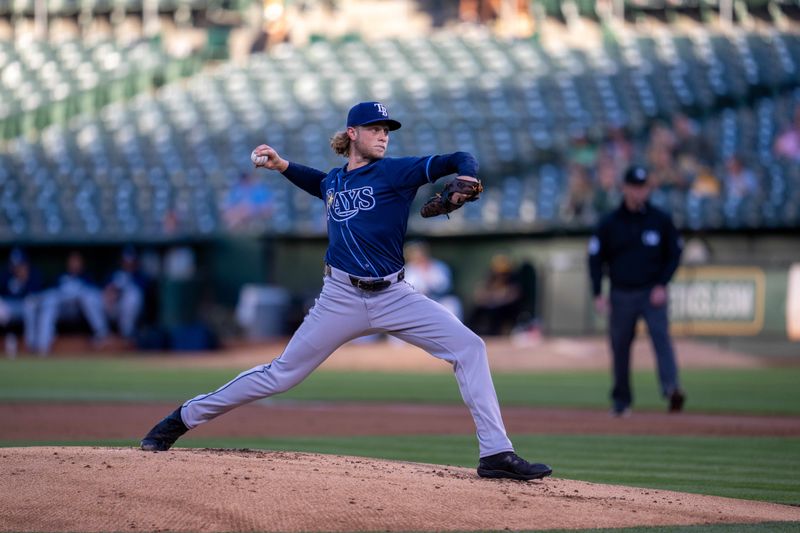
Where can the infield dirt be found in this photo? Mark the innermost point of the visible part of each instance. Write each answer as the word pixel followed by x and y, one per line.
pixel 124 489
pixel 116 489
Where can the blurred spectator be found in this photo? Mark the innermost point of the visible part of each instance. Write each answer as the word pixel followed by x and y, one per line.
pixel 248 201
pixel 74 296
pixel 577 204
pixel 431 277
pixel 663 170
pixel 582 151
pixel 661 137
pixel 438 11
pixel 705 184
pixel 607 193
pixel 20 299
pixel 740 182
pixel 498 300
pixel 276 24
pixel 478 11
pixel 124 293
pixel 170 222
pixel 692 149
pixel 787 145
pixel 617 150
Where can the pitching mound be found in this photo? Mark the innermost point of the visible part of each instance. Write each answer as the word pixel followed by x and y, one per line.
pixel 103 489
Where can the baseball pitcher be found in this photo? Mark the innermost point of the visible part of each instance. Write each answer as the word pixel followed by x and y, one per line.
pixel 367 202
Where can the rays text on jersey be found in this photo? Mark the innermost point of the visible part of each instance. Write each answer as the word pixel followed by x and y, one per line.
pixel 343 205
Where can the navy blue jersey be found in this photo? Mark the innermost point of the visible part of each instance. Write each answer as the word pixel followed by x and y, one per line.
pixel 641 249
pixel 367 208
pixel 14 288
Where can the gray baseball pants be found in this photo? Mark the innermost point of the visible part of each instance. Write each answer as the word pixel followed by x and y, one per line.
pixel 126 309
pixel 343 312
pixel 626 308
pixel 27 310
pixel 56 302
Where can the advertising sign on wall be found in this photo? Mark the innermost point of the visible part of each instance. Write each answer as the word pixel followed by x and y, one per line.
pixel 709 300
pixel 793 303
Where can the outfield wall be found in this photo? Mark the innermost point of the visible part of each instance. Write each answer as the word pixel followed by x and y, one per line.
pixel 748 287
pixel 742 290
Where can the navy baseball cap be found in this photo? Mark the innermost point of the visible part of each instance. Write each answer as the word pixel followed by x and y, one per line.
pixel 369 113
pixel 636 175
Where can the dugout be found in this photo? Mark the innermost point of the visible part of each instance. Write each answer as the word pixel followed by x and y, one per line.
pixel 738 297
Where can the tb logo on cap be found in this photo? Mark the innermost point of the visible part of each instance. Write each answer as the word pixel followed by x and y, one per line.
pixel 367 113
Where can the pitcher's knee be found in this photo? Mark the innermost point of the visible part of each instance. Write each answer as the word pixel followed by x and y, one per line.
pixel 477 343
pixel 471 348
pixel 282 385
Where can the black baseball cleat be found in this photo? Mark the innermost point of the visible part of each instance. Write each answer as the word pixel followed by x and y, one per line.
pixel 676 401
pixel 510 465
pixel 165 433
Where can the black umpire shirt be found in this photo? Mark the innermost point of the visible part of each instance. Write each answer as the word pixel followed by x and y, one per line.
pixel 641 249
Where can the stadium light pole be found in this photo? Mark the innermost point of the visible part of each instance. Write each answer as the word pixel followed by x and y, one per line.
pixel 85 17
pixel 619 10
pixel 726 12
pixel 40 15
pixel 507 12
pixel 150 18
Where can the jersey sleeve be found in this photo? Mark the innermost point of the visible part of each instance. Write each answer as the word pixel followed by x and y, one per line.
pixel 673 247
pixel 596 251
pixel 417 171
pixel 306 178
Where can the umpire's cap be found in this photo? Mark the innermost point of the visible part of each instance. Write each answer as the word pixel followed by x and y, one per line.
pixel 636 175
pixel 370 113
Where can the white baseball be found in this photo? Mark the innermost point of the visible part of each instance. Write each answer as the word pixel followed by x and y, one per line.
pixel 259 160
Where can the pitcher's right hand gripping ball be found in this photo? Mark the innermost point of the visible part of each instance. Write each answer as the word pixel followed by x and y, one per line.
pixel 258 160
pixel 454 195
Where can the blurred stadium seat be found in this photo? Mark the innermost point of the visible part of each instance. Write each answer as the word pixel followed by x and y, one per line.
pixel 47 83
pixel 97 148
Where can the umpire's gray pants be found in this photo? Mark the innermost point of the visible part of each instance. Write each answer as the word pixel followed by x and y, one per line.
pixel 342 313
pixel 626 308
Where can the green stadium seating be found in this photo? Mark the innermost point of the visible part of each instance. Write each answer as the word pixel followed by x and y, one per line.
pixel 44 83
pixel 113 159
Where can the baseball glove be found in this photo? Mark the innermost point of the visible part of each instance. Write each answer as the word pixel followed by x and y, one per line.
pixel 454 195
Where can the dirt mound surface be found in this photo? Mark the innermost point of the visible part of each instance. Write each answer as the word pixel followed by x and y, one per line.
pixel 114 489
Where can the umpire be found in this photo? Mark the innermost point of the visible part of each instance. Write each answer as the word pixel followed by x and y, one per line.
pixel 639 247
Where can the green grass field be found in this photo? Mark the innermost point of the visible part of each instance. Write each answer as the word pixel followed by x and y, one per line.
pixel 771 527
pixel 751 391
pixel 742 467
